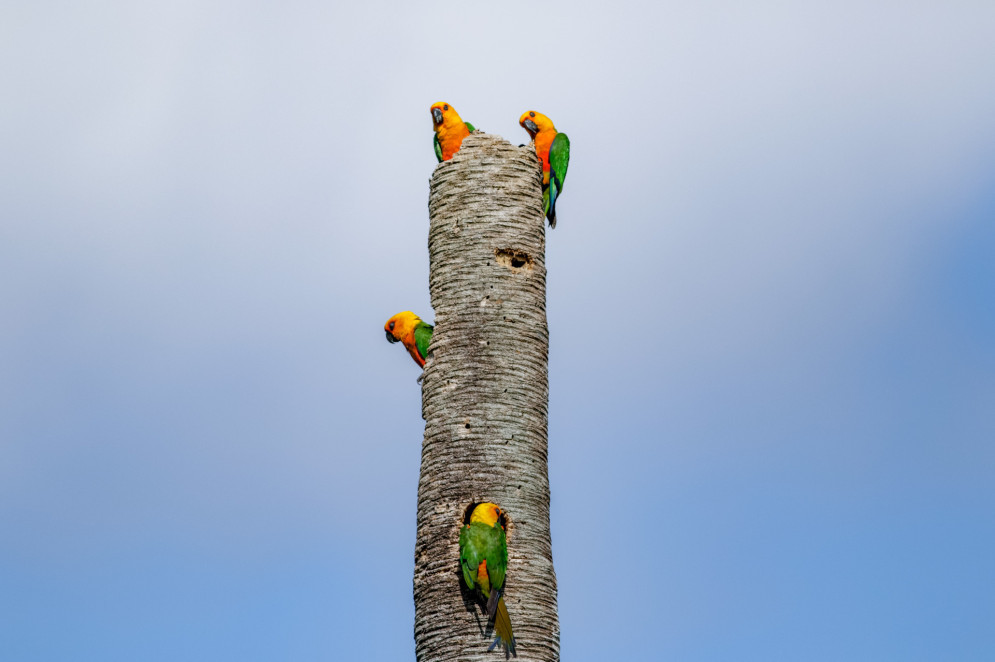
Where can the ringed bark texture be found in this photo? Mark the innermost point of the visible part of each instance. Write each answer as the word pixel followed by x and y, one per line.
pixel 485 401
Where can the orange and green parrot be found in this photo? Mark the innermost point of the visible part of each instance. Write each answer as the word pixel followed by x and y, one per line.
pixel 553 149
pixel 483 556
pixel 408 328
pixel 450 130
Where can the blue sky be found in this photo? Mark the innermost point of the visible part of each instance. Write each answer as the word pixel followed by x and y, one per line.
pixel 770 306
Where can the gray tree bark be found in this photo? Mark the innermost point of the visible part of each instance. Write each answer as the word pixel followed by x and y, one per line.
pixel 485 401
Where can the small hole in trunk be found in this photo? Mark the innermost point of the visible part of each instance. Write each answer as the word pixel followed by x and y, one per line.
pixel 513 259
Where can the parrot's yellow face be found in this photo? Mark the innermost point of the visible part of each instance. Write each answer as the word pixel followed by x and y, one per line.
pixel 487 513
pixel 443 115
pixel 534 122
pixel 400 326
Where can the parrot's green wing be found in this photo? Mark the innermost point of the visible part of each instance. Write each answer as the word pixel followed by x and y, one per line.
pixel 498 565
pixel 469 127
pixel 559 159
pixel 423 336
pixel 470 556
pixel 469 574
pixel 496 552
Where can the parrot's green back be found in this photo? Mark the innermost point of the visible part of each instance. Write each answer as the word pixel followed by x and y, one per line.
pixel 479 542
pixel 423 336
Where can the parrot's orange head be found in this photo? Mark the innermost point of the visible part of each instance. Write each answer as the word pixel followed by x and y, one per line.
pixel 444 115
pixel 400 325
pixel 487 513
pixel 534 122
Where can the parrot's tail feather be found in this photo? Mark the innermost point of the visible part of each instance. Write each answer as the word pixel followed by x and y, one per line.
pixel 502 630
pixel 550 200
pixel 492 603
pixel 509 651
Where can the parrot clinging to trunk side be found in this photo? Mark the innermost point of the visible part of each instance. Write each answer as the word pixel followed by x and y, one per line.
pixel 483 555
pixel 408 328
pixel 553 149
pixel 450 130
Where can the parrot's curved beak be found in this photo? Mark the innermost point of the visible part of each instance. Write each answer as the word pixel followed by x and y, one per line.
pixel 531 127
pixel 390 337
pixel 437 116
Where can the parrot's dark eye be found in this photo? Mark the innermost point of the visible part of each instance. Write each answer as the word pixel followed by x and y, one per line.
pixel 391 326
pixel 445 107
pixel 532 113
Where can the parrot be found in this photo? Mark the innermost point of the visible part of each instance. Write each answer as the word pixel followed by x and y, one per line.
pixel 450 130
pixel 408 328
pixel 553 149
pixel 483 555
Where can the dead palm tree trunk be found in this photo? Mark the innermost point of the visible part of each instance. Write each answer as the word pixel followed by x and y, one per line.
pixel 485 400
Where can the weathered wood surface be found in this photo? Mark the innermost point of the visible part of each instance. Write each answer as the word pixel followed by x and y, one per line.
pixel 485 400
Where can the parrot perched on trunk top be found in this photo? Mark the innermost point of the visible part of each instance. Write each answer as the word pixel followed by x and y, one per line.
pixel 553 149
pixel 410 330
pixel 450 130
pixel 483 555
